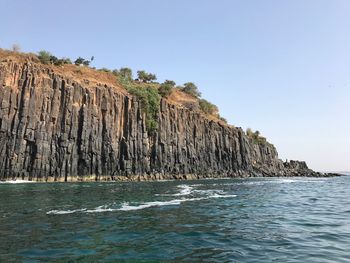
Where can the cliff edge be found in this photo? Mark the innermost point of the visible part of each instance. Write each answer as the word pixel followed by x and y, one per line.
pixel 57 125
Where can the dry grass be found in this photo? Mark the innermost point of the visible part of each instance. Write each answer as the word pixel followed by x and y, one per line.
pixel 80 74
pixel 84 75
pixel 181 98
pixel 17 56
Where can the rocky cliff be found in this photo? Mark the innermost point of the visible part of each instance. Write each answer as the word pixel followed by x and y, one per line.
pixel 54 127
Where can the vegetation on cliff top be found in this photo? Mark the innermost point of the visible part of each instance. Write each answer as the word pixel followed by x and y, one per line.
pixel 256 137
pixel 150 102
pixel 149 93
pixel 208 107
pixel 165 89
pixel 47 58
pixel 144 87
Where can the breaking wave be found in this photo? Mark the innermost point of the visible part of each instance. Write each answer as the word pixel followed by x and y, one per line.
pixel 64 212
pixel 16 182
pixel 185 190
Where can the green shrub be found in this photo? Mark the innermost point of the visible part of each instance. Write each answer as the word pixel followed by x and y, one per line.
pixel 86 63
pixel 53 60
pixel 192 89
pixel 66 61
pixel 223 119
pixel 81 61
pixel 44 57
pixel 256 137
pixel 253 135
pixel 256 134
pixel 124 75
pixel 63 61
pixel 207 107
pixel 165 89
pixel 146 77
pixel 179 87
pixel 116 73
pixel 249 132
pixel 142 75
pixel 170 82
pixel 104 70
pixel 262 140
pixel 150 102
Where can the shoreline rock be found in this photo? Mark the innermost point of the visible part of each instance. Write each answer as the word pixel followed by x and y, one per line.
pixel 160 178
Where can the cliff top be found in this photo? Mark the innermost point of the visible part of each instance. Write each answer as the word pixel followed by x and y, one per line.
pixel 78 73
pixel 89 76
pixel 85 74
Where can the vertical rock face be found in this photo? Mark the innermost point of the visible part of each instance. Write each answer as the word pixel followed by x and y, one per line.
pixel 53 128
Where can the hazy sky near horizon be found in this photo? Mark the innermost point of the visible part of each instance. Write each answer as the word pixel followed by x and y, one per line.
pixel 282 67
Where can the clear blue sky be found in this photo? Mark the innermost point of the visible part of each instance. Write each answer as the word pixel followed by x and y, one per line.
pixel 282 67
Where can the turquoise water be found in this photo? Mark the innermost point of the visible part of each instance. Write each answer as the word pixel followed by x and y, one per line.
pixel 234 220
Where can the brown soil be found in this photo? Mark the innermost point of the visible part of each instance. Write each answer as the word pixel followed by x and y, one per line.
pixel 83 75
pixel 80 74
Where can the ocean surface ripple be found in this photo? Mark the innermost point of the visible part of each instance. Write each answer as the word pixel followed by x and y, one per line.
pixel 227 220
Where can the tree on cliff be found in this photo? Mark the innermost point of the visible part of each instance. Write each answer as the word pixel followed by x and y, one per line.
pixel 257 134
pixel 249 132
pixel 125 73
pixel 81 61
pixel 44 56
pixel 165 89
pixel 146 77
pixel 64 61
pixel 256 137
pixel 170 82
pixel 208 107
pixel 53 60
pixel 59 61
pixel 192 89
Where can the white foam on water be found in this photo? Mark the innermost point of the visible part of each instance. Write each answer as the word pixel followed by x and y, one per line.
pixel 213 193
pixel 222 196
pixel 128 207
pixel 209 191
pixel 185 190
pixel 283 181
pixel 189 189
pixel 199 185
pixel 16 182
pixel 64 212
pixel 100 209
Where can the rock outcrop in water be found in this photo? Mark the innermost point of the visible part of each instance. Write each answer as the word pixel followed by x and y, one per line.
pixel 56 128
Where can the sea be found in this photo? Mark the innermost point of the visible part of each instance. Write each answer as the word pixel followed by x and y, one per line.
pixel 227 220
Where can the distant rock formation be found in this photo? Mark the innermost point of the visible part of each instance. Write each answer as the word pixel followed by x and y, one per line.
pixel 55 128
